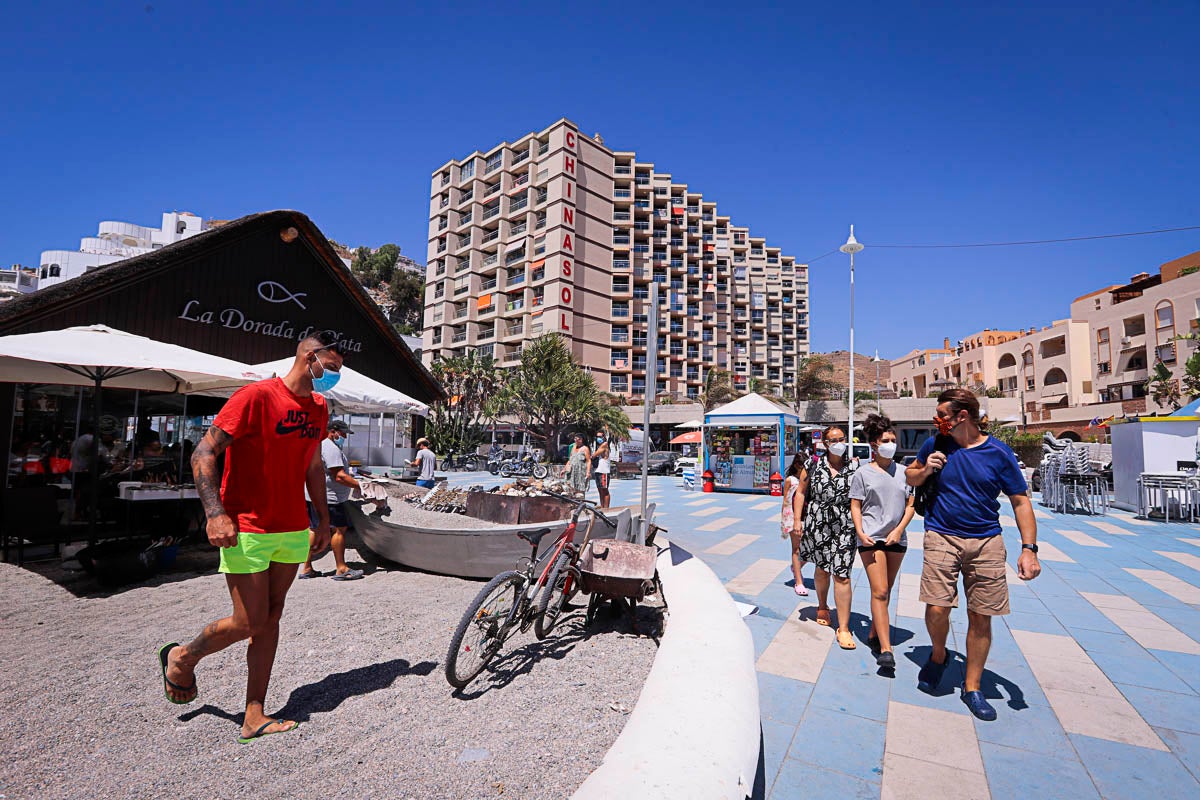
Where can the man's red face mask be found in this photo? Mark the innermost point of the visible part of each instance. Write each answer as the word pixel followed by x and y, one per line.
pixel 945 425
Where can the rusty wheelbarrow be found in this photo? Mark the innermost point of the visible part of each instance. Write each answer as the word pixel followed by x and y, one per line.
pixel 622 573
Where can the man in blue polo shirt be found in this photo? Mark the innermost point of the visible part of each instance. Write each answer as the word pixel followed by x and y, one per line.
pixel 962 536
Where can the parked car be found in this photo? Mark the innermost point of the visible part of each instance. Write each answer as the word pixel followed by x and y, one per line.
pixel 684 462
pixel 661 462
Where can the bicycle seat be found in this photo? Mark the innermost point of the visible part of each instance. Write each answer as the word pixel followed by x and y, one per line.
pixel 534 537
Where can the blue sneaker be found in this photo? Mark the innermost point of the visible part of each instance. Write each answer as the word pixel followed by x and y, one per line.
pixel 979 705
pixel 931 674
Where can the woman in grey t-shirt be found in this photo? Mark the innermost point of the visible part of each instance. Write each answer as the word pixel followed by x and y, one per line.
pixel 881 507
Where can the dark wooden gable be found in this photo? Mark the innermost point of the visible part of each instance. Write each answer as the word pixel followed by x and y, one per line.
pixel 249 290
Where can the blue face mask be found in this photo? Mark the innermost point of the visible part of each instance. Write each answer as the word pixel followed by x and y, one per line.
pixel 329 379
pixel 340 442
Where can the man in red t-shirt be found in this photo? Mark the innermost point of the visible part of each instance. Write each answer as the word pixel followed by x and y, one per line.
pixel 270 433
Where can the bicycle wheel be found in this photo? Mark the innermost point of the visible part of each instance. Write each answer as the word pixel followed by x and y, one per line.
pixel 483 628
pixel 540 471
pixel 554 595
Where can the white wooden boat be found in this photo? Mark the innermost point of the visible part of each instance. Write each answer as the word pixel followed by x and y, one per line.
pixel 463 552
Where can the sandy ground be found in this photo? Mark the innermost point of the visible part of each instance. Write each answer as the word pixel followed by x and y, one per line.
pixel 360 665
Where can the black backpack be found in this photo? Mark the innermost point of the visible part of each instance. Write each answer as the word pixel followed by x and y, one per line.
pixel 924 494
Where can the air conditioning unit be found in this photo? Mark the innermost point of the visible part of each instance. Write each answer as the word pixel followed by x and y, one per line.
pixel 1126 339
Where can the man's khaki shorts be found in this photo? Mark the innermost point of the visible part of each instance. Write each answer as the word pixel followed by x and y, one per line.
pixel 981 562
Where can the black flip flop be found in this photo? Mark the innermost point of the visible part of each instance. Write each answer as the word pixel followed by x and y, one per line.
pixel 258 734
pixel 163 658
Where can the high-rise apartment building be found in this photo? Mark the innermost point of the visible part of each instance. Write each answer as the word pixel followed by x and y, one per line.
pixel 557 233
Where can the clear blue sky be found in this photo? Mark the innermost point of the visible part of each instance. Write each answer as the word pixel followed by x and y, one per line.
pixel 922 124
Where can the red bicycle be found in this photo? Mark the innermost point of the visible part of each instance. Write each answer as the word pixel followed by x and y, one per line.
pixel 520 598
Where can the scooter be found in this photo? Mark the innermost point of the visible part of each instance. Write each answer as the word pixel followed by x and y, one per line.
pixel 494 462
pixel 524 466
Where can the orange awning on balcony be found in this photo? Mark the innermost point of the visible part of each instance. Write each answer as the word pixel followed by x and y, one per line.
pixel 677 210
pixel 484 301
pixel 541 262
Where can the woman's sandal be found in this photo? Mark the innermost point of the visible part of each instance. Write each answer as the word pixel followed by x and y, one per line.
pixel 845 640
pixel 823 616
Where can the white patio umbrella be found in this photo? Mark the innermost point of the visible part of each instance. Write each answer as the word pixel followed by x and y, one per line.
pixel 691 423
pixel 355 393
pixel 99 356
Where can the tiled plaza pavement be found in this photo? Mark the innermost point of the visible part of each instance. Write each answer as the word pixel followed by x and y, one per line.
pixel 1095 674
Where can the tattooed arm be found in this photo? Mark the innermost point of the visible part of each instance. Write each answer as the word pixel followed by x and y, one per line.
pixel 222 532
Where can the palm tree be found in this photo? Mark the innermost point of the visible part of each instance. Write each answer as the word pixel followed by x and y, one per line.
pixel 763 387
pixel 470 382
pixel 814 378
pixel 550 394
pixel 718 389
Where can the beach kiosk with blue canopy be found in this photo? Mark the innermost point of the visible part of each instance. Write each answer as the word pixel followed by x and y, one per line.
pixel 747 441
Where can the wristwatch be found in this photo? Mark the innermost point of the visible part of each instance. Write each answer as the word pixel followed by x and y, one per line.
pixel 1031 547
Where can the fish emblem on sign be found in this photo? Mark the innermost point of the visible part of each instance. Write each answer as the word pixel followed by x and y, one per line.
pixel 274 292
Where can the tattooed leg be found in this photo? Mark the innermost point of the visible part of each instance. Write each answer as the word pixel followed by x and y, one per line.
pixel 251 610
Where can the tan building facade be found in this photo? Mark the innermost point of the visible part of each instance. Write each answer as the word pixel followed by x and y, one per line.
pixel 558 233
pixel 1132 327
pixel 1095 364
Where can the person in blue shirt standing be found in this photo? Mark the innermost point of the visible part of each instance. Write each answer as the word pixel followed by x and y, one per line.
pixel 963 536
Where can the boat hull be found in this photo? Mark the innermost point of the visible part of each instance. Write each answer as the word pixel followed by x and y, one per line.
pixel 465 553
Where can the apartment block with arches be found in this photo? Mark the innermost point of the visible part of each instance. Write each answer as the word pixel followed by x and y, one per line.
pixel 1094 364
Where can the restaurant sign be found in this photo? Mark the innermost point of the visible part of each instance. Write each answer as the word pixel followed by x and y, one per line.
pixel 234 318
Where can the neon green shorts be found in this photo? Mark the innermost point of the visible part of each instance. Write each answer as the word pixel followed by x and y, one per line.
pixel 254 552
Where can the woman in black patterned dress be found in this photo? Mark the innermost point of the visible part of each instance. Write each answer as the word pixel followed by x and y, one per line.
pixel 828 539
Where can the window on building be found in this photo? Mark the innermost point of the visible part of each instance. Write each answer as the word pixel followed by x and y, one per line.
pixel 467 170
pixel 539 245
pixel 1164 331
pixel 1103 352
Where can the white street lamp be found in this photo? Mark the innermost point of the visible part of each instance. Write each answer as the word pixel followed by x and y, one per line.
pixel 851 247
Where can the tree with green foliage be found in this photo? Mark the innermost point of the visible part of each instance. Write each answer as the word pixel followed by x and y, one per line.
pixel 763 388
pixel 405 290
pixel 471 382
pixel 814 378
pixel 551 394
pixel 718 388
pixel 1162 387
pixel 1191 376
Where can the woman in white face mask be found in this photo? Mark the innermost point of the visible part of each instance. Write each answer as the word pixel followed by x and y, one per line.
pixel 881 506
pixel 827 538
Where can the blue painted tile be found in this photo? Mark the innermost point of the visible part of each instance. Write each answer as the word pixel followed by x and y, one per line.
pixel 800 781
pixel 1185 618
pixel 1179 712
pixel 1038 623
pixel 1026 601
pixel 1141 670
pixel 1021 773
pixel 857 742
pixel 1184 745
pixel 1034 728
pixel 777 738
pixel 1185 665
pixel 1094 641
pixel 1125 772
pixel 762 631
pixel 782 699
pixel 849 683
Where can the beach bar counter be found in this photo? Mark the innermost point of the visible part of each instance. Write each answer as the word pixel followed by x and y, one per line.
pixel 747 441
